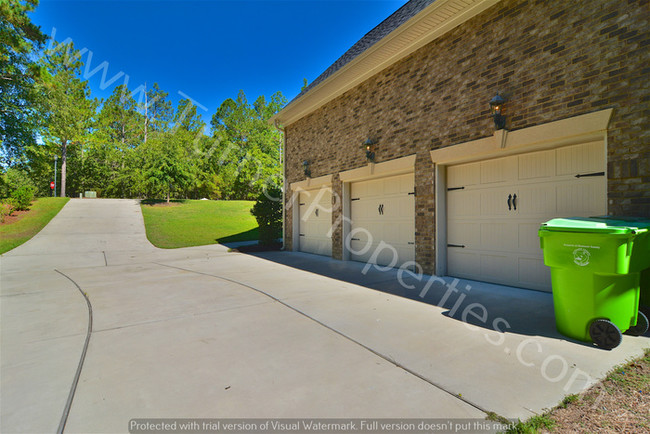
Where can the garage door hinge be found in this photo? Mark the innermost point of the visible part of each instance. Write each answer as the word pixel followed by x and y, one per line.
pixel 411 242
pixel 302 235
pixel 412 193
pixel 355 239
pixel 590 174
pixel 455 188
pixel 301 204
pixel 456 245
pixel 355 198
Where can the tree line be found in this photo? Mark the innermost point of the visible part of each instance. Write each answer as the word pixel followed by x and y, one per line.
pixel 132 144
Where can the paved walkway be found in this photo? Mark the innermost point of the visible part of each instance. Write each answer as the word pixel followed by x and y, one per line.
pixel 204 333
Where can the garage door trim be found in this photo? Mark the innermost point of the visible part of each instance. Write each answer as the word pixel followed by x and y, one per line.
pixel 398 166
pixel 579 129
pixel 307 185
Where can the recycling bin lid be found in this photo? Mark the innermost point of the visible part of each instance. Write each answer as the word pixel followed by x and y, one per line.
pixel 635 222
pixel 601 225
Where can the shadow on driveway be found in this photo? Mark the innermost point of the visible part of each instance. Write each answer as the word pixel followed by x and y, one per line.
pixel 507 309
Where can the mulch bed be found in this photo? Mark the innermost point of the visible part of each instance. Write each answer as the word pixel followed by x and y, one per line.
pixel 14 217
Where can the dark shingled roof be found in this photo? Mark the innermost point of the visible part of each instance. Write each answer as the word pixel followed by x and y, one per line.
pixel 399 17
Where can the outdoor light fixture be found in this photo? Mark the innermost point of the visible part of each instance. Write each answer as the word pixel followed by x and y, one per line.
pixel 496 105
pixel 306 169
pixel 369 146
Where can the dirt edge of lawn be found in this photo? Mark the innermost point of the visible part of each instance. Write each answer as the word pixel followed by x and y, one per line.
pixel 619 403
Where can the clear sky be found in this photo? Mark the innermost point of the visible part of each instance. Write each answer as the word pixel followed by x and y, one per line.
pixel 210 49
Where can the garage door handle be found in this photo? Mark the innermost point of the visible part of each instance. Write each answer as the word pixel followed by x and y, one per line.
pixel 514 202
pixel 509 202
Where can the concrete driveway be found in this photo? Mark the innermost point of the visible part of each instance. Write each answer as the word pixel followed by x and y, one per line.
pixel 206 333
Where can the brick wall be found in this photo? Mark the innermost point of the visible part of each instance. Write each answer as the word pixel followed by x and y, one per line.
pixel 551 59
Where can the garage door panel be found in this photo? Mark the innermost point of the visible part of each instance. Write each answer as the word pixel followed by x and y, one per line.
pixel 465 175
pixel 581 159
pixel 359 189
pixel 533 273
pixel 499 170
pixel 464 233
pixel 462 203
pixel 494 202
pixel 584 196
pixel 398 207
pixel 537 165
pixel 536 200
pixel 499 236
pixel 499 267
pixel 528 238
pixel 462 263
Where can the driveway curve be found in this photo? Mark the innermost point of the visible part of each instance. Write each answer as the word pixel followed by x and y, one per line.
pixel 181 334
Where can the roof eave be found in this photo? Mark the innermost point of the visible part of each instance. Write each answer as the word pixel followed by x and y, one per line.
pixel 432 22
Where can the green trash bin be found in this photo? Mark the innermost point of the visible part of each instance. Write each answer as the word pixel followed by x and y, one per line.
pixel 640 260
pixel 595 289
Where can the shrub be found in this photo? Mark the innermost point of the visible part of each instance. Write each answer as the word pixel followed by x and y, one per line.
pixel 268 213
pixel 6 208
pixel 14 179
pixel 22 197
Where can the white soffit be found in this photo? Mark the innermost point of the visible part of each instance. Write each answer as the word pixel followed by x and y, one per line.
pixel 431 23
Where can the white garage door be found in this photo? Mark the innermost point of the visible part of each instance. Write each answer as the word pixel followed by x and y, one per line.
pixel 383 221
pixel 495 208
pixel 316 221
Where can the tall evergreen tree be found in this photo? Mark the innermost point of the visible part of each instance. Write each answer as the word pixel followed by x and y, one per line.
pixel 70 107
pixel 157 111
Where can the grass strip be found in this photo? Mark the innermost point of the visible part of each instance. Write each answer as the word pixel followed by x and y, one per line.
pixel 40 213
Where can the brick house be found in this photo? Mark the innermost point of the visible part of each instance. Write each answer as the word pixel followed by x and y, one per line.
pixel 392 155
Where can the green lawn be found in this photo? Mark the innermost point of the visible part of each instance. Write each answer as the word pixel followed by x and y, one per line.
pixel 41 212
pixel 198 222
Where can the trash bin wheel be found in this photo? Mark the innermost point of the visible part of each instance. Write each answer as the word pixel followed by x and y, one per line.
pixel 605 334
pixel 641 326
pixel 645 309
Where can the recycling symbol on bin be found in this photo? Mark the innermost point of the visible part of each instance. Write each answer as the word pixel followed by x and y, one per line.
pixel 581 257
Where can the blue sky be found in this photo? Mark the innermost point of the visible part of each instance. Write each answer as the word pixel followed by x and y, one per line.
pixel 209 49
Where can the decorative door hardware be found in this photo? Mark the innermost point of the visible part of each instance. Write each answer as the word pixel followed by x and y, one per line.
pixel 381 209
pixel 461 246
pixel 316 212
pixel 512 202
pixel 455 188
pixel 584 175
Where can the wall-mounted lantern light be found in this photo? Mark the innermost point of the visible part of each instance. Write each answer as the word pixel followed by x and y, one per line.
pixel 496 105
pixel 369 146
pixel 306 169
